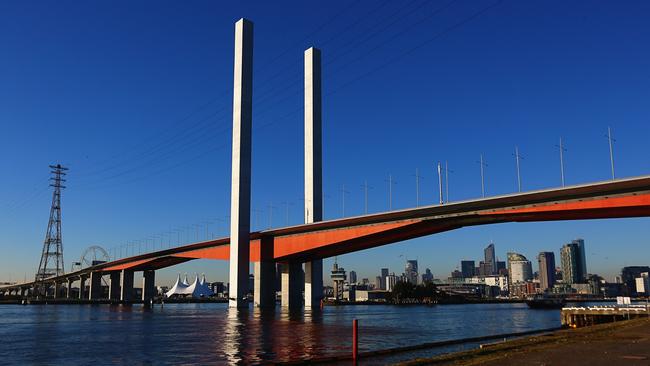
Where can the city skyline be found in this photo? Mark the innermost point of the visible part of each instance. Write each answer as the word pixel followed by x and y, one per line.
pixel 143 124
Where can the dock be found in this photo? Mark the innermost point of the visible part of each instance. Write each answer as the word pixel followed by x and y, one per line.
pixel 578 317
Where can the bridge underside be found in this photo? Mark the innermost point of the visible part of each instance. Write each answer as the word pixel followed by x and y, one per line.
pixel 327 243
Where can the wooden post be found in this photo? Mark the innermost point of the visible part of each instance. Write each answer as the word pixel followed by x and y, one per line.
pixel 355 340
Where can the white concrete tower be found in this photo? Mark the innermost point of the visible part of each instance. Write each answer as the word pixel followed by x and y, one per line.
pixel 240 199
pixel 313 168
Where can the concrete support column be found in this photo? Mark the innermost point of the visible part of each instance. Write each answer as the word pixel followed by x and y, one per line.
pixel 82 287
pixel 68 293
pixel 95 290
pixel 23 292
pixel 264 291
pixel 57 289
pixel 148 285
pixel 114 286
pixel 313 168
pixel 240 200
pixel 292 285
pixel 313 283
pixel 126 285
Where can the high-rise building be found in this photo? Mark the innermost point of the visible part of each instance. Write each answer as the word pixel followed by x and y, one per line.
pixel 427 276
pixel 378 282
pixel 490 259
pixel 582 261
pixel 353 277
pixel 467 268
pixel 569 259
pixel 384 274
pixel 546 261
pixel 411 271
pixel 519 268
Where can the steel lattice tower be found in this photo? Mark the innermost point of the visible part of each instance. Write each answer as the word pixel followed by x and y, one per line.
pixel 52 258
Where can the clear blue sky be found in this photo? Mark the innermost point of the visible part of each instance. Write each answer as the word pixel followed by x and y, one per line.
pixel 134 97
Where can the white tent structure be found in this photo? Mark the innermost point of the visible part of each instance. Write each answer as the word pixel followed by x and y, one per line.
pixel 197 289
pixel 179 287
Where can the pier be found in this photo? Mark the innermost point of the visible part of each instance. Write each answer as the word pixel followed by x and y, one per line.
pixel 578 317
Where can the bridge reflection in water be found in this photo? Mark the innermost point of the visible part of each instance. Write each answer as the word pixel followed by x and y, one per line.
pixel 211 334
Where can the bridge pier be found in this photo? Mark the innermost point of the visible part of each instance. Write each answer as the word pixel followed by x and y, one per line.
pixel 313 283
pixel 148 285
pixel 95 291
pixel 57 289
pixel 82 287
pixel 126 286
pixel 114 286
pixel 68 293
pixel 23 292
pixel 292 285
pixel 264 270
pixel 240 199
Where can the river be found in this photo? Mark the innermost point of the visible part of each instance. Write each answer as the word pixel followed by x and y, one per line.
pixel 212 334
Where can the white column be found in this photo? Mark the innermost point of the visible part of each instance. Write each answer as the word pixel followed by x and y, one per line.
pixel 292 285
pixel 313 169
pixel 264 291
pixel 126 285
pixel 240 205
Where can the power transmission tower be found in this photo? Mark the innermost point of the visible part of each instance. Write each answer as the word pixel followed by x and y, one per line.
pixel 52 257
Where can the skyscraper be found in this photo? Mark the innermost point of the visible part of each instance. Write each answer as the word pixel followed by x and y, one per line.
pixel 570 262
pixel 546 262
pixel 467 268
pixel 582 261
pixel 411 271
pixel 519 268
pixel 353 277
pixel 427 276
pixel 490 259
pixel 384 274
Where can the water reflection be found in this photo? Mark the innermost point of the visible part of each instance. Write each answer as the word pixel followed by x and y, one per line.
pixel 213 334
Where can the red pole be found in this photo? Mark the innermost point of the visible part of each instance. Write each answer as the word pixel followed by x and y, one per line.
pixel 355 339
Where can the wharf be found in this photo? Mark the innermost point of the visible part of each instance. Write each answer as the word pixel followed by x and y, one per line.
pixel 577 317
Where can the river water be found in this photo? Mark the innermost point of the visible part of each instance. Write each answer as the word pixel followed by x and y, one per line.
pixel 212 334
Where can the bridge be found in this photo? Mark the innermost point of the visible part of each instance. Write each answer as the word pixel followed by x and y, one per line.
pixel 302 243
pixel 309 243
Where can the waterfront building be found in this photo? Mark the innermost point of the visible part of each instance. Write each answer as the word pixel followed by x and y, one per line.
pixel 629 276
pixel 519 268
pixel 467 268
pixel 353 277
pixel 490 260
pixel 378 282
pixel 456 274
pixel 338 278
pixel 411 271
pixel 546 261
pixel 569 258
pixel 498 281
pixel 642 284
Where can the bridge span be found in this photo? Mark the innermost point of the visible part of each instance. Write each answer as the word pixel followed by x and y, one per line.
pixel 298 244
